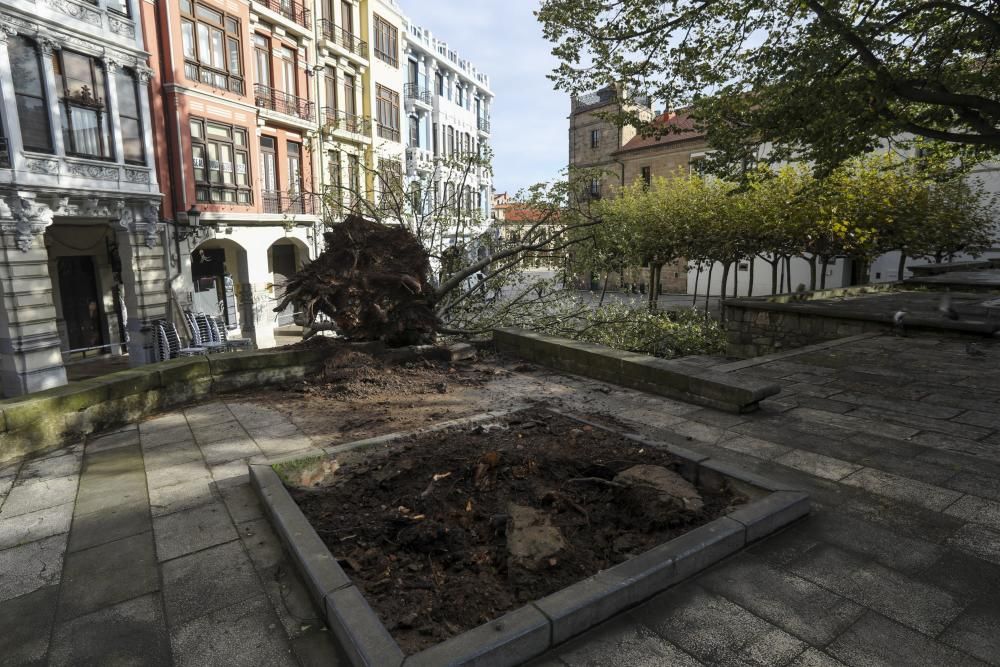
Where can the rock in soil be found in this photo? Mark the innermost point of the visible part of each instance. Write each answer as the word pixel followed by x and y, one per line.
pixel 531 538
pixel 671 489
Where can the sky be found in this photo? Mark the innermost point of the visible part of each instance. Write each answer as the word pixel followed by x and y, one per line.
pixel 502 38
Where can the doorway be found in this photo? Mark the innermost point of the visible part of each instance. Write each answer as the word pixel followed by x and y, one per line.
pixel 81 303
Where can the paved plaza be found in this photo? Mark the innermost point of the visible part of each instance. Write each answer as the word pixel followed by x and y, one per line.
pixel 146 546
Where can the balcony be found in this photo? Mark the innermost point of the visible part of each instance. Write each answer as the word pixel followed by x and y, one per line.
pixel 277 101
pixel 484 125
pixel 195 71
pixel 290 203
pixel 4 154
pixel 346 122
pixel 343 39
pixel 293 11
pixel 417 93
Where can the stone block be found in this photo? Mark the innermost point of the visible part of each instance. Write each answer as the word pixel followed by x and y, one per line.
pixel 766 515
pixel 510 640
pixel 359 632
pixel 185 370
pixel 317 565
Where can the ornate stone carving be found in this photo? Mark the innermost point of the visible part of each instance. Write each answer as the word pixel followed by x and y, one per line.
pixel 43 166
pixel 6 32
pixel 137 176
pixel 77 11
pixel 95 171
pixel 145 224
pixel 47 43
pixel 26 219
pixel 121 26
pixel 144 73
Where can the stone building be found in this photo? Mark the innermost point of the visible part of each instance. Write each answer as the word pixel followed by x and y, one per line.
pixel 83 264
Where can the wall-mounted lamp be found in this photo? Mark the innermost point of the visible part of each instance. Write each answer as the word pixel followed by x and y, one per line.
pixel 194 226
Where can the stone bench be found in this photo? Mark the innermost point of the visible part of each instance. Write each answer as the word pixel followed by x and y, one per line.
pixel 667 377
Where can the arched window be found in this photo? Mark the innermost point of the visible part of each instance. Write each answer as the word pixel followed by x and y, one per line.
pixel 29 91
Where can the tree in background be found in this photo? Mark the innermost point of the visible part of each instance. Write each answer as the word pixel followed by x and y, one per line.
pixel 817 80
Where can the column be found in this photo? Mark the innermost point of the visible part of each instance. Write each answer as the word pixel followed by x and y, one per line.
pixel 30 348
pixel 111 67
pixel 145 276
pixel 145 74
pixel 48 45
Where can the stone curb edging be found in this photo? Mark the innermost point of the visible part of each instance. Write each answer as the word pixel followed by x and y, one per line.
pixel 531 630
pixel 667 377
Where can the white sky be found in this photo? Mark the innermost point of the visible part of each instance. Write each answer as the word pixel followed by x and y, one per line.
pixel 503 39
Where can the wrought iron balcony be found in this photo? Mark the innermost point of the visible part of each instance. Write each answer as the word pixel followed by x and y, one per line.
pixel 290 105
pixel 484 124
pixel 4 153
pixel 294 11
pixel 343 38
pixel 290 203
pixel 390 133
pixel 414 91
pixel 341 120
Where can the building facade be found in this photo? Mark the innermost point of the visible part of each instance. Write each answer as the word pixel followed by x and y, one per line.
pixel 83 263
pixel 448 104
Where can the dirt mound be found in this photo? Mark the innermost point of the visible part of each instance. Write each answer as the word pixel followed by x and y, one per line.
pixel 436 531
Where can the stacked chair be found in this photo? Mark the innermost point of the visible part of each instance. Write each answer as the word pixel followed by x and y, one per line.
pixel 168 343
pixel 219 333
pixel 201 334
pixel 207 334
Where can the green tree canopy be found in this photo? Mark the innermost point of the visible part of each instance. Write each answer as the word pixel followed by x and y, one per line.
pixel 819 80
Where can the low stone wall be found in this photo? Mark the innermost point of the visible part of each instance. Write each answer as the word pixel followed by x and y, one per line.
pixel 666 377
pixel 55 417
pixel 758 327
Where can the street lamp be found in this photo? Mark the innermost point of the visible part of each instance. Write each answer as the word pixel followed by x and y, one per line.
pixel 194 225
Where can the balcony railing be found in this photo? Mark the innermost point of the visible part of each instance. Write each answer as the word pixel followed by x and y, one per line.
pixel 484 124
pixel 290 105
pixel 290 203
pixel 390 133
pixel 291 10
pixel 343 38
pixel 197 72
pixel 341 120
pixel 4 153
pixel 414 91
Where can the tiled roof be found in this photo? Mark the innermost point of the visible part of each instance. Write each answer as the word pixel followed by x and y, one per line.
pixel 681 127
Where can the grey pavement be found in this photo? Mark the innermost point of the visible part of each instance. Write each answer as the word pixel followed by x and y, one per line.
pixel 147 546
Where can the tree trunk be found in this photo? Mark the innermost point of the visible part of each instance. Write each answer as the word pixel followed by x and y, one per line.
pixel 604 290
pixel 781 280
pixel 812 274
pixel 938 256
pixel 697 279
pixel 902 265
pixel 651 293
pixel 725 281
pixel 774 274
pixel 750 285
pixel 825 262
pixel 708 287
pixel 736 279
pixel 788 270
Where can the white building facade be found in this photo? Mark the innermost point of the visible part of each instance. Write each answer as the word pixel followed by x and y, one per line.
pixel 448 104
pixel 82 264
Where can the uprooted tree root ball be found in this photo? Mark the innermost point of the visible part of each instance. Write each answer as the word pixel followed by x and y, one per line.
pixel 372 281
pixel 448 530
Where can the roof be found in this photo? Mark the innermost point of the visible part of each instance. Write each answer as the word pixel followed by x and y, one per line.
pixel 682 128
pixel 513 213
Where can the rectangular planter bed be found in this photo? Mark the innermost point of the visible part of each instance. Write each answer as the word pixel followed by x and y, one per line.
pixel 530 630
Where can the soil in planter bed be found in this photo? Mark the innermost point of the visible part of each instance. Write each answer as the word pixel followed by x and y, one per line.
pixel 422 527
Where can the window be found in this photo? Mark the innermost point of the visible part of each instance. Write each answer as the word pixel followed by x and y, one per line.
pixel 451 142
pixel 347 17
pixel 353 193
pixel 595 138
pixel 330 88
pixel 439 83
pixel 119 6
pixel 211 42
pixel 386 41
pixel 294 150
pixel 86 125
pixel 29 93
pixel 268 165
pixel 414 132
pixel 133 148
pixel 335 191
pixel 387 107
pixel 436 140
pixel 350 106
pixel 595 188
pixel 391 182
pixel 647 176
pixel 262 60
pixel 289 82
pixel 220 157
pixel 461 96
